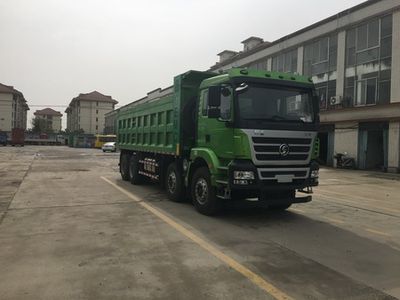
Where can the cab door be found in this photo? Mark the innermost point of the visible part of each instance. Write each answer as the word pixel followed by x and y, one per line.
pixel 215 133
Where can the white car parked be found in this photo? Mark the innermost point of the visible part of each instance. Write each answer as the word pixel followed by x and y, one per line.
pixel 110 146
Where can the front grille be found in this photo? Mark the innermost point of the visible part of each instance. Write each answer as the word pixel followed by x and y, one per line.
pixel 266 149
pixel 276 149
pixel 279 141
pixel 280 157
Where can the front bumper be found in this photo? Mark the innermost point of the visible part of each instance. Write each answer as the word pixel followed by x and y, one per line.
pixel 274 178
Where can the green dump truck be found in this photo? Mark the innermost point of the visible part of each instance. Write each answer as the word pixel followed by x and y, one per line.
pixel 238 135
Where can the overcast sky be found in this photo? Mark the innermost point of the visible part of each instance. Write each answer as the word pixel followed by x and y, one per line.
pixel 52 50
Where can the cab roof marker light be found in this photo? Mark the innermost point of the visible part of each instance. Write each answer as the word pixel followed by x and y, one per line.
pixel 244 72
pixel 281 76
pixel 267 75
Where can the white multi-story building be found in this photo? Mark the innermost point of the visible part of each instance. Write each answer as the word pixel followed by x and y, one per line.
pixel 86 112
pixel 52 118
pixel 353 58
pixel 13 108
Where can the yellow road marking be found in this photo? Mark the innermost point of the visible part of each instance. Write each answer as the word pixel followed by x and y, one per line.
pixel 256 279
pixel 377 232
pixel 334 220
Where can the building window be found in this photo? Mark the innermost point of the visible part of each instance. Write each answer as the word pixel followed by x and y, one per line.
pixel 320 62
pixel 285 62
pixel 368 63
pixel 366 91
pixel 97 119
pixel 97 127
pixel 160 118
pixel 97 111
pixel 259 65
pixel 97 103
pixel 325 91
pixel 320 57
pixel 145 120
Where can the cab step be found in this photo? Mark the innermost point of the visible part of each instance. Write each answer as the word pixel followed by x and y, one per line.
pixel 223 182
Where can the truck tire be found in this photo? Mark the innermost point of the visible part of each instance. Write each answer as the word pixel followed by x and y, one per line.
pixel 174 184
pixel 124 166
pixel 134 176
pixel 203 193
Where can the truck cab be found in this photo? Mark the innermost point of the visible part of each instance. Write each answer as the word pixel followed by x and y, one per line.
pixel 257 131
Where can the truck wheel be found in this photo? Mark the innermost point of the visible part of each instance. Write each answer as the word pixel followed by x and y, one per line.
pixel 134 176
pixel 124 166
pixel 174 184
pixel 204 197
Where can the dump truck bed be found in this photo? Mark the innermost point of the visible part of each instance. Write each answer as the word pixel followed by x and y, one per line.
pixel 162 122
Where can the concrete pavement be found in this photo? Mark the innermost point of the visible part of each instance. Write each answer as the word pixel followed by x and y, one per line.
pixel 68 234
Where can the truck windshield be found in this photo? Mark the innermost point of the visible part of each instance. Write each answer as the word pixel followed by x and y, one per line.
pixel 276 104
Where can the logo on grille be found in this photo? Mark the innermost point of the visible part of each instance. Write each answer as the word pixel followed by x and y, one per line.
pixel 284 149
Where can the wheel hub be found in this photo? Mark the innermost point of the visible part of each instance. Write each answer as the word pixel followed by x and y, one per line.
pixel 172 182
pixel 201 191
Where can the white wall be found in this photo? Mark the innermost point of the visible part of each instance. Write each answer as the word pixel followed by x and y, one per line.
pixel 395 84
pixel 346 139
pixel 5 111
pixel 89 111
pixel 394 147
pixel 341 62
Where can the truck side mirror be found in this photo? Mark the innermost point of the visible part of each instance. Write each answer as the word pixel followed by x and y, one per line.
pixel 214 96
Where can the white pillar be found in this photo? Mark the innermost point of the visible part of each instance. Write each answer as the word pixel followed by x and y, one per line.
pixel 395 86
pixel 300 59
pixel 269 64
pixel 394 147
pixel 341 63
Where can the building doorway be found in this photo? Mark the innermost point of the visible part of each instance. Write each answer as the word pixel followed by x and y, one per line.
pixel 326 144
pixel 373 146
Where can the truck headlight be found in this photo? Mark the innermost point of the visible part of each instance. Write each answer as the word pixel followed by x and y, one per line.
pixel 314 173
pixel 243 175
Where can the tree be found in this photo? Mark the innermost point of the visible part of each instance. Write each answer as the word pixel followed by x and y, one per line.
pixel 40 126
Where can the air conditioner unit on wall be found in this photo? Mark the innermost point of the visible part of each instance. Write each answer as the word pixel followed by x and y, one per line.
pixel 335 100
